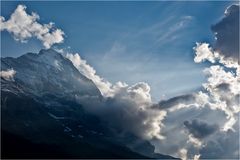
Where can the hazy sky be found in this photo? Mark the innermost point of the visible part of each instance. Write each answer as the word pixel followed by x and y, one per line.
pixel 129 41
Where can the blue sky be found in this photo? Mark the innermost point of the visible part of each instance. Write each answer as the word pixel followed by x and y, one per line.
pixel 129 41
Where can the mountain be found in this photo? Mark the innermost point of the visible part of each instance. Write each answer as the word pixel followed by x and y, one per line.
pixel 41 117
pixel 49 73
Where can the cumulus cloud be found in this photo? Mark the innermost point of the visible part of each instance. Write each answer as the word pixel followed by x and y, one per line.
pixel 219 98
pixel 203 52
pixel 223 93
pixel 24 26
pixel 126 109
pixel 8 74
pixel 227 33
pixel 222 87
pixel 129 111
pixel 138 115
pixel 220 94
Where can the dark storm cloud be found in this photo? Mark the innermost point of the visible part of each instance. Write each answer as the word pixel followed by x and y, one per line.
pixel 227 33
pixel 200 129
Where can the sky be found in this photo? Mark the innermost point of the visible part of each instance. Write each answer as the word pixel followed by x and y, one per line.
pixel 129 41
pixel 192 109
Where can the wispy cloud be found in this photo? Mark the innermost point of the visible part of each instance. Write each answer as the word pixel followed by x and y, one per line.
pixel 173 31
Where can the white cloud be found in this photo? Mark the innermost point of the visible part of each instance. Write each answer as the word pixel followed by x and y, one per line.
pixel 203 52
pixel 222 87
pixel 24 26
pixel 130 108
pixel 223 90
pixel 137 104
pixel 140 92
pixel 8 75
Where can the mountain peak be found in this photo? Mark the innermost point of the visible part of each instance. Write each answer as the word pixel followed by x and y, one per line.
pixel 49 72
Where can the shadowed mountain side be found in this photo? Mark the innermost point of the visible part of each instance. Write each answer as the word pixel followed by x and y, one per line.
pixel 29 132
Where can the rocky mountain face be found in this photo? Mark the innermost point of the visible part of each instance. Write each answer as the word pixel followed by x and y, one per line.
pixel 41 118
pixel 49 73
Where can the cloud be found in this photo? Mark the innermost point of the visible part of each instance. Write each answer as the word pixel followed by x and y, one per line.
pixel 126 109
pixel 172 33
pixel 200 129
pixel 227 33
pixel 24 26
pixel 222 89
pixel 8 75
pixel 195 141
pixel 203 52
pixel 183 154
pixel 223 145
pixel 218 98
pixel 167 104
pixel 223 98
pixel 140 92
pixel 105 87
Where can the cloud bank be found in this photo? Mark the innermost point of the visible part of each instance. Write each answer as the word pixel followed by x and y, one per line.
pixel 24 26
